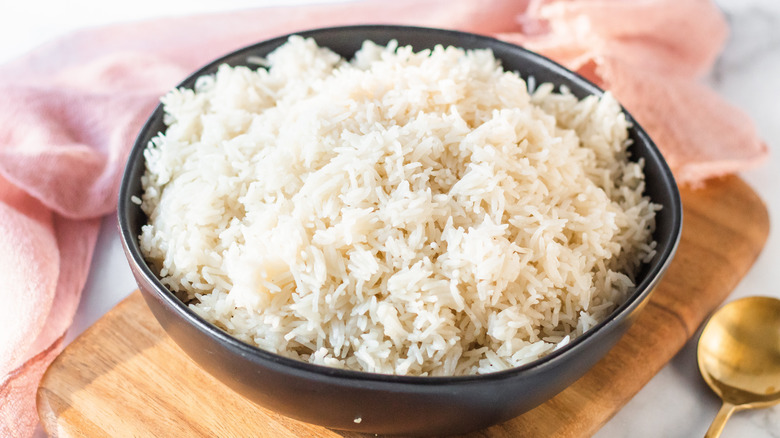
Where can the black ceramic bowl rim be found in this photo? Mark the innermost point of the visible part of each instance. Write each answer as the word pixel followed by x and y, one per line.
pixel 643 289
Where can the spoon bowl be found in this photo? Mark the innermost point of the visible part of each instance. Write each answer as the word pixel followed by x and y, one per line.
pixel 739 356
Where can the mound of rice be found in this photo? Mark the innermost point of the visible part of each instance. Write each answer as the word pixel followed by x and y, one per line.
pixel 403 213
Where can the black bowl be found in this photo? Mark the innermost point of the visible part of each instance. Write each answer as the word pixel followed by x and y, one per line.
pixel 379 403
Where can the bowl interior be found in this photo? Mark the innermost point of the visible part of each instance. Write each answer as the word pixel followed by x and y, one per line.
pixel 660 184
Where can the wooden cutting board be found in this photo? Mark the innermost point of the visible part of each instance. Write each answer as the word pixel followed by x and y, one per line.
pixel 125 377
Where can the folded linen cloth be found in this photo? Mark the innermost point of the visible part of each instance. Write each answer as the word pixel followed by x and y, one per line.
pixel 71 109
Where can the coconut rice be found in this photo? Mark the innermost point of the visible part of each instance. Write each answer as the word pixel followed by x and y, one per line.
pixel 404 213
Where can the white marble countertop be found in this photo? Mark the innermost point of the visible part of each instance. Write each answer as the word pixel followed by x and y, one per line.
pixel 676 402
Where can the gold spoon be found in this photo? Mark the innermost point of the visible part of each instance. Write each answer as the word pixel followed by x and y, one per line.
pixel 739 356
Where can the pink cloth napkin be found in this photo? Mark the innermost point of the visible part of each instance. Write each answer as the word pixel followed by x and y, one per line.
pixel 70 111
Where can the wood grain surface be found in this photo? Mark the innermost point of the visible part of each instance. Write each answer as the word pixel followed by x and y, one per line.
pixel 125 377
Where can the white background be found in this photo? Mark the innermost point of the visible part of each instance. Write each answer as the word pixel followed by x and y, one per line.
pixel 676 403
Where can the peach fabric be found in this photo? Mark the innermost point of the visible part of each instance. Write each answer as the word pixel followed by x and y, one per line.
pixel 651 54
pixel 71 108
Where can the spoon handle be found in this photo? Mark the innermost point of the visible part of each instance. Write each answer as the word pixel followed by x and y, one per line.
pixel 720 420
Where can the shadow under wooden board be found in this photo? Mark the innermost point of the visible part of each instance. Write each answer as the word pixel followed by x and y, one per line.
pixel 125 377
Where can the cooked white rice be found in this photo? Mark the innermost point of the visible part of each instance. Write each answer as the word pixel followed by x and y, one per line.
pixel 402 213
